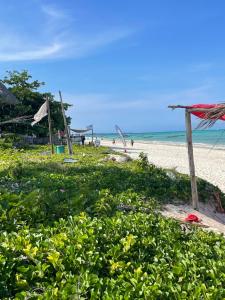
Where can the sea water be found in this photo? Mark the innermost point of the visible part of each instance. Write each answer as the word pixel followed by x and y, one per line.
pixel 204 137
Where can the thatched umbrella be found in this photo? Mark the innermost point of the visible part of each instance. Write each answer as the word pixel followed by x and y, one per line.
pixel 6 96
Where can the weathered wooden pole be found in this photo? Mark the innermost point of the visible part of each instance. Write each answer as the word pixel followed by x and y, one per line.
pixel 50 125
pixel 92 135
pixel 69 132
pixel 70 149
pixel 194 190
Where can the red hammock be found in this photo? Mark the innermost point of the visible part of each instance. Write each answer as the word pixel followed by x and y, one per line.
pixel 203 115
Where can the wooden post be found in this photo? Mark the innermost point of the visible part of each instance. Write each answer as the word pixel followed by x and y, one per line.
pixel 50 125
pixel 92 136
pixel 70 149
pixel 69 132
pixel 194 190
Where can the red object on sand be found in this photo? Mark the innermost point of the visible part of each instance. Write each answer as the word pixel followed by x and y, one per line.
pixel 203 115
pixel 192 218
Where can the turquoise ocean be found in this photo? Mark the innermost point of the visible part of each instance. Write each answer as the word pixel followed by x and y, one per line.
pixel 205 137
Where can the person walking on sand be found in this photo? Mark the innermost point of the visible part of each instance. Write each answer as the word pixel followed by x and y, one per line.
pixel 132 142
pixel 113 141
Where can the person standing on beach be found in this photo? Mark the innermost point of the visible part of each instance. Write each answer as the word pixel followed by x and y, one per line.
pixel 82 140
pixel 132 142
pixel 113 141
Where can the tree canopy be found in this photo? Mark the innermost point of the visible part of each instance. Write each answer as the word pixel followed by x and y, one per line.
pixel 30 99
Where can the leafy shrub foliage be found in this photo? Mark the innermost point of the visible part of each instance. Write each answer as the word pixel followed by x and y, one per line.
pixel 127 256
pixel 89 230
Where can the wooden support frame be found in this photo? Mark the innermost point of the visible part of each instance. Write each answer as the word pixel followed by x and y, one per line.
pixel 195 109
pixel 92 136
pixel 68 140
pixel 50 125
pixel 194 189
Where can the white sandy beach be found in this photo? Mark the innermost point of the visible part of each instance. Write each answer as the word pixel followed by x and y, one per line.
pixel 209 165
pixel 209 162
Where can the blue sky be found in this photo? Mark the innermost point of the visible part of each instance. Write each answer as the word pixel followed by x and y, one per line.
pixel 119 62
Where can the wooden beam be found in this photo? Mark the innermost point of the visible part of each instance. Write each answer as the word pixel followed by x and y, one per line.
pixel 178 106
pixel 195 109
pixel 194 190
pixel 50 125
pixel 201 109
pixel 70 149
pixel 92 135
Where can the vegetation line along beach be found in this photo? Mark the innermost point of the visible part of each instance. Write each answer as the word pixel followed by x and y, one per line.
pixel 209 160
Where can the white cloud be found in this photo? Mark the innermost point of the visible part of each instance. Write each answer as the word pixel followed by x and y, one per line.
pixel 32 54
pixel 55 37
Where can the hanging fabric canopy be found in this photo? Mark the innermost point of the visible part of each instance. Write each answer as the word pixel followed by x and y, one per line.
pixel 6 96
pixel 79 130
pixel 212 113
pixel 88 128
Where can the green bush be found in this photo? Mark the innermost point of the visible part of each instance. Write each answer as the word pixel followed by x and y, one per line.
pixel 88 230
pixel 127 256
